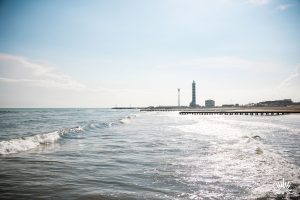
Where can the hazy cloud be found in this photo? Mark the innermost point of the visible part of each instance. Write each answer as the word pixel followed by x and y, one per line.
pixel 17 69
pixel 291 78
pixel 223 62
pixel 283 7
pixel 259 2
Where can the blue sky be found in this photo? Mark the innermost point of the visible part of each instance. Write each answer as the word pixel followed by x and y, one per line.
pixel 108 53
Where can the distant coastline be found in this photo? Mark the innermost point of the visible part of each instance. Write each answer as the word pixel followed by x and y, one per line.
pixel 292 108
pixel 285 105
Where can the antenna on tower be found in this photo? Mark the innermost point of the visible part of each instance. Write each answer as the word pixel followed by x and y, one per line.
pixel 178 97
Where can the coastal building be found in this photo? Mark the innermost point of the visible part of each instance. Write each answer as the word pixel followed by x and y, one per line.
pixel 209 103
pixel 193 103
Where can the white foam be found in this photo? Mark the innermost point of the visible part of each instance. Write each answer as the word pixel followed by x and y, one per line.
pixel 109 124
pixel 263 124
pixel 77 129
pixel 252 160
pixel 27 143
pixel 203 128
pixel 239 153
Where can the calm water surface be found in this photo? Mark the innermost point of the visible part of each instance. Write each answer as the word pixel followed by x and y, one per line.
pixel 113 154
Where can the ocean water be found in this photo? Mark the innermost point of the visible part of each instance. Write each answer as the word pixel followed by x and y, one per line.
pixel 128 154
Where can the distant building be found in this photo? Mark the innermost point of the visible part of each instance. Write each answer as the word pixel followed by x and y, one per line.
pixel 284 102
pixel 209 103
pixel 193 103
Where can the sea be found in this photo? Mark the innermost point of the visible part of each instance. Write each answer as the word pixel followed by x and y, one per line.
pixel 130 154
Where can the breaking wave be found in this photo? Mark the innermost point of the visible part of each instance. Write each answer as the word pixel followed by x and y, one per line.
pixel 128 119
pixel 96 125
pixel 27 143
pixel 125 121
pixel 30 142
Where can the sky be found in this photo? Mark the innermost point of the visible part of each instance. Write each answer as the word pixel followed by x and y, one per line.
pixel 60 53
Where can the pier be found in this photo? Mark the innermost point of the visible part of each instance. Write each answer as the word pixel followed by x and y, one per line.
pixel 161 110
pixel 252 112
pixel 269 111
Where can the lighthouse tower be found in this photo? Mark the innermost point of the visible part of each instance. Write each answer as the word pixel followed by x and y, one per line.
pixel 193 103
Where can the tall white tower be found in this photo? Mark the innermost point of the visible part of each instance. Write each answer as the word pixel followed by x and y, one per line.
pixel 193 103
pixel 178 97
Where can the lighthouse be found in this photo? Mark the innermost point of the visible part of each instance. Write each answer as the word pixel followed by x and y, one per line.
pixel 193 103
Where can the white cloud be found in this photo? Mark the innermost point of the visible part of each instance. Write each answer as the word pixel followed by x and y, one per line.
pixel 289 87
pixel 259 2
pixel 288 82
pixel 17 69
pixel 283 7
pixel 223 62
pixel 26 83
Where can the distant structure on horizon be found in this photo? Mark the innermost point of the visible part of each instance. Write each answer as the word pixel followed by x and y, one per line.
pixel 178 97
pixel 284 102
pixel 193 103
pixel 209 103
